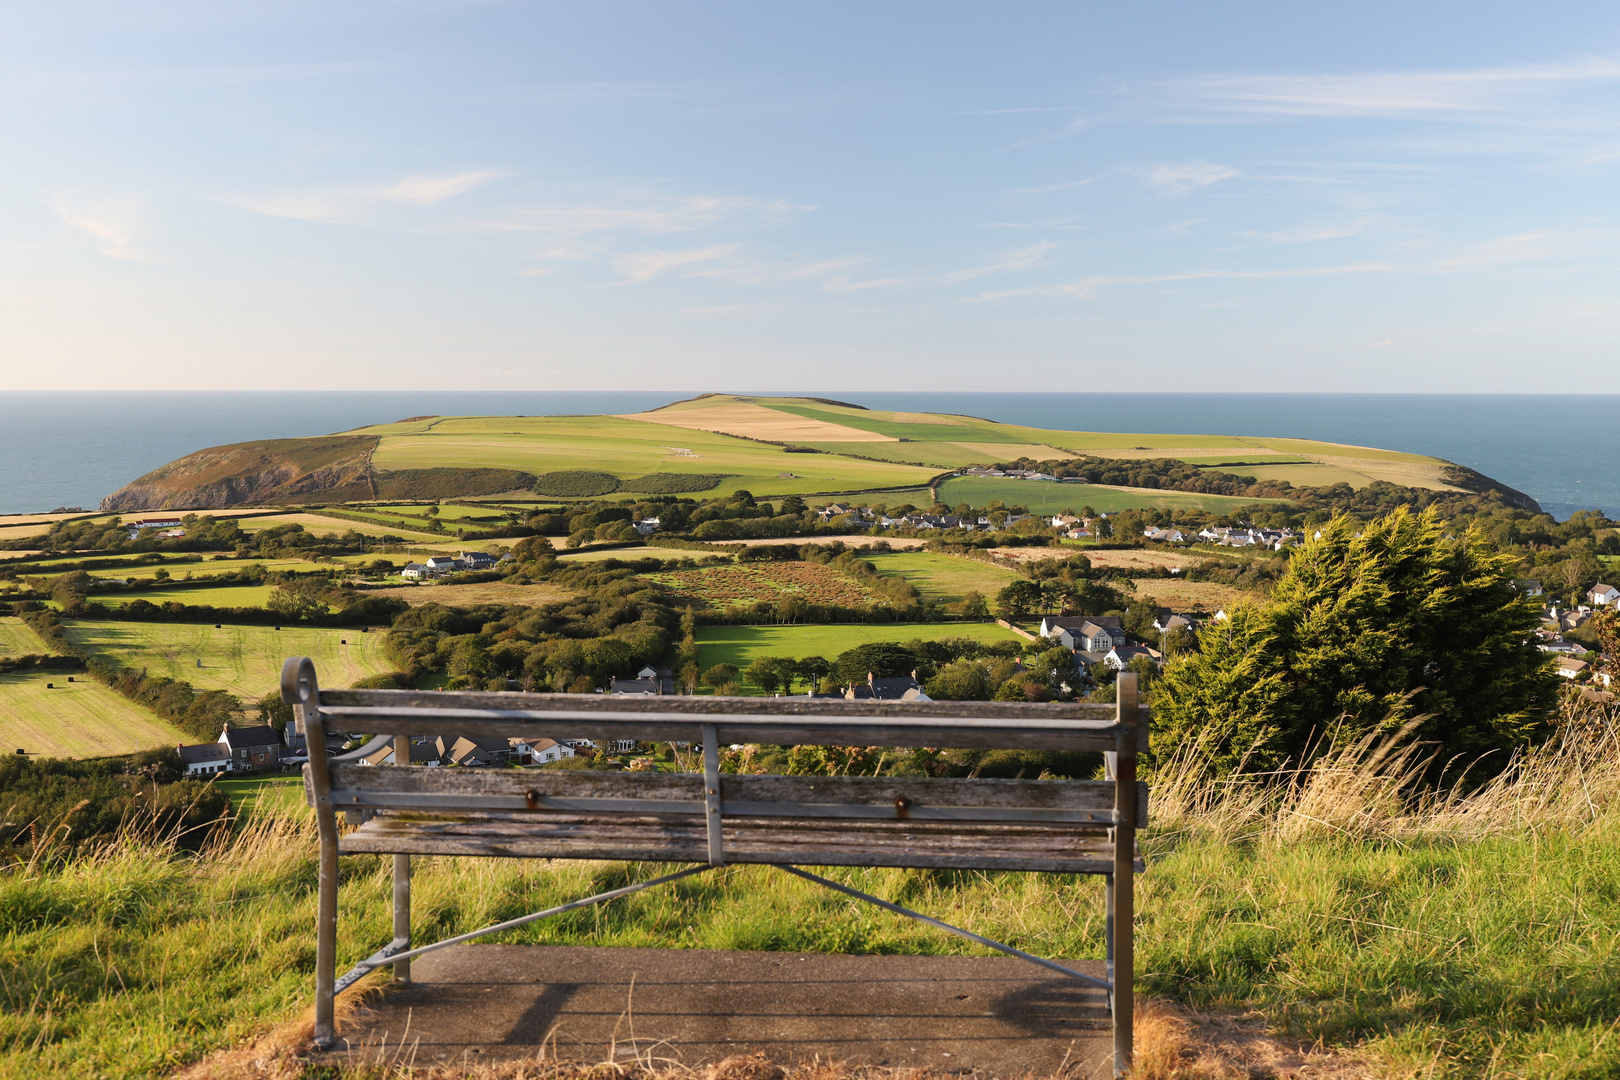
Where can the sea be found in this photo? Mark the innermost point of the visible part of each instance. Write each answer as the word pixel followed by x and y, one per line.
pixel 72 448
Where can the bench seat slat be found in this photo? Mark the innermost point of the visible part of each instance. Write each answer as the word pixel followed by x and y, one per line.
pixel 654 838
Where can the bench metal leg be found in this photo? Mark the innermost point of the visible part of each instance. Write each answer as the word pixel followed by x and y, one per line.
pixel 326 941
pixel 402 913
pixel 402 880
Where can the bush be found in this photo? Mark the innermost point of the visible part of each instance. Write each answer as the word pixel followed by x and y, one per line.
pixel 1373 626
pixel 663 483
pixel 576 483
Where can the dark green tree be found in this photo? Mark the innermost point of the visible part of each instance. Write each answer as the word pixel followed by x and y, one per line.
pixel 1371 627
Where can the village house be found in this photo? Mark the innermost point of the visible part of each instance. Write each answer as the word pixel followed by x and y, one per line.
pixel 1167 536
pixel 527 751
pixel 415 571
pixel 1529 587
pixel 647 526
pixel 252 749
pixel 1082 633
pixel 1569 668
pixel 164 527
pixel 424 751
pixel 902 688
pixel 648 680
pixel 205 759
pixel 1601 595
pixel 445 564
pixel 485 750
pixel 476 560
pixel 1120 657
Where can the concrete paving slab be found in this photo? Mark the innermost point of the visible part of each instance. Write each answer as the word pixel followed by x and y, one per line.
pixel 989 1016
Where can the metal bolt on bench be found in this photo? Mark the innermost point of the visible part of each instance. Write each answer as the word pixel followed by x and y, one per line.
pixel 1056 826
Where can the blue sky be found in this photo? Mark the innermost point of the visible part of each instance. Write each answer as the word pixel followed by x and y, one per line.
pixel 595 195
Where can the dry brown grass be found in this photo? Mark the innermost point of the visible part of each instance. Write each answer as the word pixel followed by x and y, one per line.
pixel 1172 1043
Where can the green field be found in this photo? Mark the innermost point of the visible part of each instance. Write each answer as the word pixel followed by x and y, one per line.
pixel 1307 475
pixel 740 644
pixel 17 640
pixel 626 449
pixel 640 551
pixel 1047 497
pixel 943 577
pixel 242 660
pixel 211 596
pixel 77 719
pixel 321 525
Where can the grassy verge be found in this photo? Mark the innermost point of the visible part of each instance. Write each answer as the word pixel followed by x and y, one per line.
pixel 1445 936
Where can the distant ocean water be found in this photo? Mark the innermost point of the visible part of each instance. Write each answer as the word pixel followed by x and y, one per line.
pixel 71 449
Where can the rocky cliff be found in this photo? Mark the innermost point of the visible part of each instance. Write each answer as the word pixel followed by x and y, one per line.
pixel 331 468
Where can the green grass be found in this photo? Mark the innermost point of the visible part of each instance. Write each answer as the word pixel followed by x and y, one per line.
pixel 1439 940
pixel 78 719
pixel 1306 475
pixel 1046 497
pixel 740 644
pixel 17 640
pixel 943 577
pixel 209 596
pixel 179 571
pixel 271 794
pixel 242 660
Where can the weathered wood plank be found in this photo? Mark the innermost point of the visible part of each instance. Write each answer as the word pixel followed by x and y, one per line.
pixel 485 789
pixel 783 721
pixel 654 839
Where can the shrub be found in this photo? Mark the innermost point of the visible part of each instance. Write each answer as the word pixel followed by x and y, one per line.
pixel 663 483
pixel 576 483
pixel 449 483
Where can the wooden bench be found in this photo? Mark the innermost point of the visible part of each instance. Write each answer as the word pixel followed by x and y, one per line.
pixel 714 819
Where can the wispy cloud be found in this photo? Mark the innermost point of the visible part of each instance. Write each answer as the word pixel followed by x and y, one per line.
pixel 1009 262
pixel 644 265
pixel 1310 234
pixel 351 205
pixel 1087 288
pixel 646 213
pixel 1180 178
pixel 113 221
pixel 1447 94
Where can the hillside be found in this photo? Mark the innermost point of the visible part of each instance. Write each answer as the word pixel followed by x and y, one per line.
pixel 773 446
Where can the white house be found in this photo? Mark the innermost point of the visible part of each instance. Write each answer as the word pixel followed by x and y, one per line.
pixel 414 571
pixel 1119 658
pixel 445 564
pixel 205 759
pixel 1086 634
pixel 1601 594
pixel 1569 667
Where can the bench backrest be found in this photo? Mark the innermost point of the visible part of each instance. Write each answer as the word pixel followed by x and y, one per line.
pixel 1118 730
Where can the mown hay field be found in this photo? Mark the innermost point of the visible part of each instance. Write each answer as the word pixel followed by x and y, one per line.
pixel 17 640
pixel 740 644
pixel 241 660
pixel 80 719
pixel 747 583
pixel 320 525
pixel 943 577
